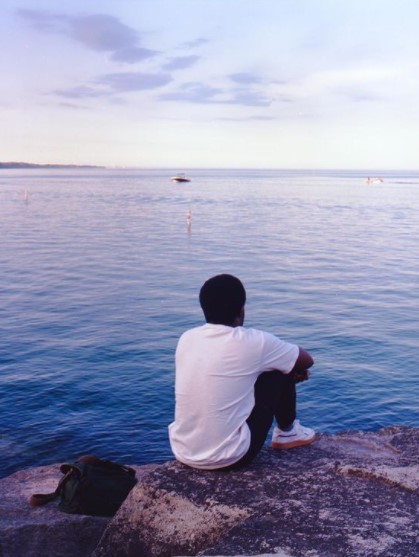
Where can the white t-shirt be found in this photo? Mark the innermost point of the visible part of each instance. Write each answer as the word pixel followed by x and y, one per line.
pixel 216 370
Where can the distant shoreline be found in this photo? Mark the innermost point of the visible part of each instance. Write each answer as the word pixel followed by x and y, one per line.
pixel 18 165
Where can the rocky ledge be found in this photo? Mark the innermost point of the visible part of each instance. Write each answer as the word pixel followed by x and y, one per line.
pixel 349 494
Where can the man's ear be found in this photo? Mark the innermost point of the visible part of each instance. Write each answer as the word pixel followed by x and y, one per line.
pixel 238 322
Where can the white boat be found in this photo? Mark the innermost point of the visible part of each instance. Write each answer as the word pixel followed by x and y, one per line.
pixel 181 177
pixel 374 180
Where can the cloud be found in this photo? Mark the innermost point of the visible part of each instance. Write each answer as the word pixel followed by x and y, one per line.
pixel 249 119
pixel 44 21
pixel 81 92
pixel 135 81
pixel 262 118
pixel 111 84
pixel 195 43
pixel 181 62
pixel 249 98
pixel 133 54
pixel 244 78
pixel 73 106
pixel 98 32
pixel 193 92
pixel 359 95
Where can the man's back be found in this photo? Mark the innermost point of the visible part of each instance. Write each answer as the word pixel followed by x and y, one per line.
pixel 216 369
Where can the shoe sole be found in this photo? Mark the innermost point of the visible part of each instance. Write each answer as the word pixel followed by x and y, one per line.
pixel 293 444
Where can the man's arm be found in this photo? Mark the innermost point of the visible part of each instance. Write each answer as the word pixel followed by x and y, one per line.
pixel 300 370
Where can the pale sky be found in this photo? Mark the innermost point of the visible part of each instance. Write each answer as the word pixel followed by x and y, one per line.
pixel 211 83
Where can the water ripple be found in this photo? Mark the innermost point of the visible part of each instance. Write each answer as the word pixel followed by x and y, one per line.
pixel 100 275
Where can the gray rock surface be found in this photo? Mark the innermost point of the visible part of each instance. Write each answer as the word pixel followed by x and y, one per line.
pixel 351 494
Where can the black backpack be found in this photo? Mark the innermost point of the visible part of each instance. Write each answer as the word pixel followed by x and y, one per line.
pixel 90 486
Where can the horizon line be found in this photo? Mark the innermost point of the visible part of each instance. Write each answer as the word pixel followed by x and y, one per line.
pixel 22 165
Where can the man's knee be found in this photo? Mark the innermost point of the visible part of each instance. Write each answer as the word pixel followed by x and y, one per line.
pixel 269 380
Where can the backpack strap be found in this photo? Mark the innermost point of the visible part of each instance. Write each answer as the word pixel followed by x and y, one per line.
pixel 38 499
pixel 94 461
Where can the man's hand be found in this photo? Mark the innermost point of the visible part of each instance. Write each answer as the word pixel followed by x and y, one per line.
pixel 300 370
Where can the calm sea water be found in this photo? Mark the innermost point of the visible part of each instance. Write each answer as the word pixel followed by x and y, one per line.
pixel 100 272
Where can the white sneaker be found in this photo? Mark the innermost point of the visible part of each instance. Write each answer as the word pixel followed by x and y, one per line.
pixel 296 437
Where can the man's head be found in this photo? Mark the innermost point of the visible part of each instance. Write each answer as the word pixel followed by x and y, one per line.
pixel 222 299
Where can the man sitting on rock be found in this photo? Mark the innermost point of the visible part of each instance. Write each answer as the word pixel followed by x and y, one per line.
pixel 231 383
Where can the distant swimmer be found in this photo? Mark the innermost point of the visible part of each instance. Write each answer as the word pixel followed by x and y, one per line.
pixel 188 219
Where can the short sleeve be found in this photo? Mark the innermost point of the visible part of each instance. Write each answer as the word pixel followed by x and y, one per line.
pixel 278 354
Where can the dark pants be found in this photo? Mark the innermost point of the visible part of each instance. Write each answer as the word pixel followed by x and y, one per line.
pixel 275 397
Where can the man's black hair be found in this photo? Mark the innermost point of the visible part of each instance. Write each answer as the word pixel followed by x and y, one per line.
pixel 222 297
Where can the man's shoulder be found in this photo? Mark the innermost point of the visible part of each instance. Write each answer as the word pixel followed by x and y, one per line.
pixel 209 330
pixel 251 336
pixel 251 332
pixel 193 331
pixel 260 337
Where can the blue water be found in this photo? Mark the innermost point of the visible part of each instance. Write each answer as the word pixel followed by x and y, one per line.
pixel 99 275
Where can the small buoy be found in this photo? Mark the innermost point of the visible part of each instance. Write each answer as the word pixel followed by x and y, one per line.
pixel 188 220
